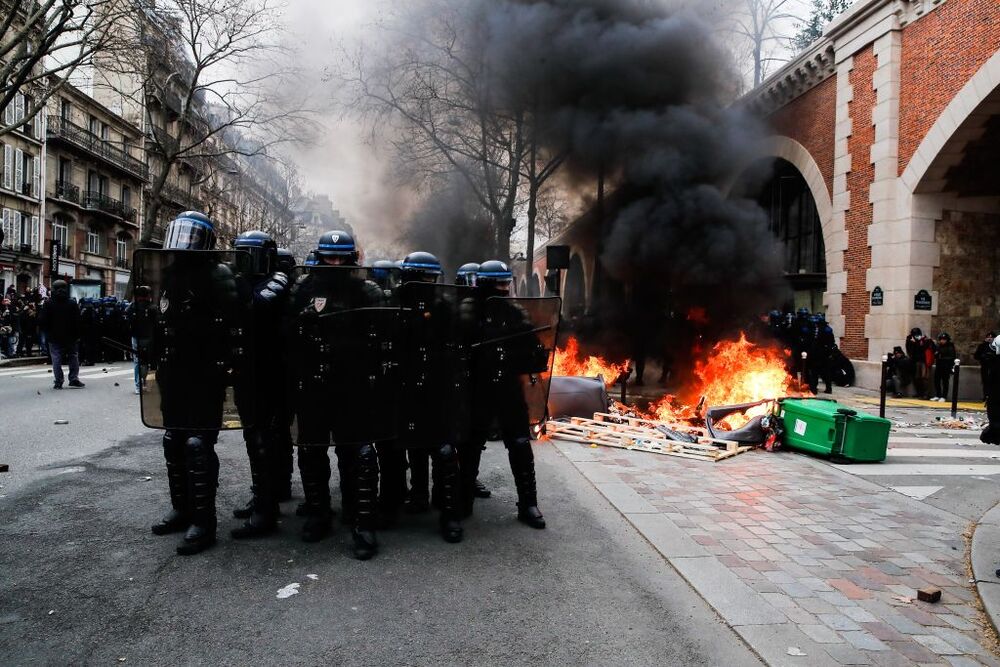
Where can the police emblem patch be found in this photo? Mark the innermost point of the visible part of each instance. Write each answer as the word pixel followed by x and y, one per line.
pixel 319 303
pixel 164 304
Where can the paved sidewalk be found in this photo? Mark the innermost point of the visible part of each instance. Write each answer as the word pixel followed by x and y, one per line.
pixel 810 565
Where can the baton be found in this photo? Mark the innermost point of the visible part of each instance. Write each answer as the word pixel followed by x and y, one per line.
pixel 111 342
pixel 516 335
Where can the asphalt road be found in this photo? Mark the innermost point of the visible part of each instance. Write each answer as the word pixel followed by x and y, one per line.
pixel 84 582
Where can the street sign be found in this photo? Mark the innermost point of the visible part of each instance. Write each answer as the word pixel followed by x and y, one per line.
pixel 878 297
pixel 54 259
pixel 922 301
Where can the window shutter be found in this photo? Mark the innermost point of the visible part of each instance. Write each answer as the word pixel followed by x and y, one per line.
pixel 8 167
pixel 36 179
pixel 19 170
pixel 40 125
pixel 18 108
pixel 8 233
pixel 8 113
pixel 16 222
pixel 35 228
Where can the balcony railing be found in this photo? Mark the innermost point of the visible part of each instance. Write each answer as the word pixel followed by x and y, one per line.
pixel 166 142
pixel 179 195
pixel 67 191
pixel 101 202
pixel 121 263
pixel 62 128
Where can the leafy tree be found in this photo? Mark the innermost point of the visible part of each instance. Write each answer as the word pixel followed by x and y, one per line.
pixel 821 14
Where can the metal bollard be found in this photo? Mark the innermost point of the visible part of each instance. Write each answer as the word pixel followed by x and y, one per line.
pixel 956 371
pixel 882 387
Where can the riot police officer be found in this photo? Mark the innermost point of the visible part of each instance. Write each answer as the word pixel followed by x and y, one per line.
pixel 466 276
pixel 285 264
pixel 259 394
pixel 192 350
pixel 320 389
pixel 434 374
pixel 498 394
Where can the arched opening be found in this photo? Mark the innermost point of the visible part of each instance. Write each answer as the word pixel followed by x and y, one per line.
pixel 794 219
pixel 522 288
pixel 959 193
pixel 534 283
pixel 575 289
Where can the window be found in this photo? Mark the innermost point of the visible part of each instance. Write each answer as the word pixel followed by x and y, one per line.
pixel 65 170
pixel 126 197
pixel 66 110
pixel 95 126
pixel 24 229
pixel 8 167
pixel 121 249
pixel 93 241
pixel 60 233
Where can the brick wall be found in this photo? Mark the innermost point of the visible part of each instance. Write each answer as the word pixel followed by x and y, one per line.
pixel 858 257
pixel 810 119
pixel 941 52
pixel 968 278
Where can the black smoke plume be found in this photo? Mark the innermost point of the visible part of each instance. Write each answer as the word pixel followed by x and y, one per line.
pixel 640 93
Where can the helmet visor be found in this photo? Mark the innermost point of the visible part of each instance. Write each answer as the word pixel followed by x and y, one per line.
pixel 257 260
pixel 189 234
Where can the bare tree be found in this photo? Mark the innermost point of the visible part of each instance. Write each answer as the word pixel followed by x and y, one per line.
pixel 205 73
pixel 42 44
pixel 761 25
pixel 431 93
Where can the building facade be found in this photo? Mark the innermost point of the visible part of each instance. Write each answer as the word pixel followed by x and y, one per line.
pixel 95 174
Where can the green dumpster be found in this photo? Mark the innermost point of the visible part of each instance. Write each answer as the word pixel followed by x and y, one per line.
pixel 827 427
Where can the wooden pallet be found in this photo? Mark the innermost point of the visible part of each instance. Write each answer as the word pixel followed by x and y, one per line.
pixel 642 437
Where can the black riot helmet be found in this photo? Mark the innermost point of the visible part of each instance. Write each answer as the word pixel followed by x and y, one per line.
pixel 494 275
pixel 311 259
pixel 466 274
pixel 382 272
pixel 335 244
pixel 285 261
pixel 190 230
pixel 262 249
pixel 421 267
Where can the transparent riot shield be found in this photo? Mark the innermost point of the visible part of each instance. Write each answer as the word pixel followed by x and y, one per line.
pixel 343 331
pixel 517 347
pixel 199 351
pixel 434 363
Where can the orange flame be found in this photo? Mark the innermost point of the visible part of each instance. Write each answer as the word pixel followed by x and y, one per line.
pixel 570 362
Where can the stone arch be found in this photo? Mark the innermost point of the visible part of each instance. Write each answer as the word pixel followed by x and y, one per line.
pixel 535 285
pixel 976 91
pixel 833 226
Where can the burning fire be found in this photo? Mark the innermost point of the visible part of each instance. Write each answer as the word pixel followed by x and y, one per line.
pixel 734 372
pixel 570 362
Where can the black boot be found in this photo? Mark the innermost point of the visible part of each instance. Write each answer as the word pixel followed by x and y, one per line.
pixel 522 464
pixel 446 483
pixel 203 479
pixel 176 520
pixel 417 498
pixel 285 464
pixel 469 455
pixel 314 466
pixel 366 508
pixel 263 519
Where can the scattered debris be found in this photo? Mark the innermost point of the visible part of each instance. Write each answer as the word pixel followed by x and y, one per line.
pixel 61 422
pixel 288 591
pixel 903 599
pixel 116 384
pixel 314 577
pixel 929 594
pixel 796 651
pixel 146 479
pixel 51 611
pixel 4 467
pixel 121 659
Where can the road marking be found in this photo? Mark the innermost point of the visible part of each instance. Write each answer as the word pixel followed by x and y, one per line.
pixel 917 492
pixel 946 453
pixel 19 371
pixel 85 375
pixel 933 441
pixel 917 469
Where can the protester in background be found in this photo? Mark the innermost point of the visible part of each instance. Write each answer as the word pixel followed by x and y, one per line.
pixel 945 356
pixel 60 320
pixel 141 319
pixel 29 330
pixel 982 355
pixel 991 434
pixel 900 372
pixel 6 330
pixel 920 349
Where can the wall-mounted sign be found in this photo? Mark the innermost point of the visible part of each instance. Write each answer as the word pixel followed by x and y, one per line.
pixel 922 301
pixel 878 297
pixel 54 259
